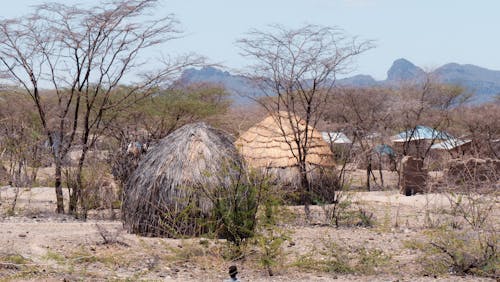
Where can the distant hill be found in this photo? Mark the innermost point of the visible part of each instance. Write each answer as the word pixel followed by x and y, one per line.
pixel 482 82
pixel 402 70
pixel 239 87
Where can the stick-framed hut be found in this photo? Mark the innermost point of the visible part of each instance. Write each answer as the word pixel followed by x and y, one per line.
pixel 270 145
pixel 169 192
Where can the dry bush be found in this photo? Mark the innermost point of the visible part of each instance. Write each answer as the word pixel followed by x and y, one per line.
pixel 463 238
pixel 480 124
pixel 99 191
pixel 111 236
pixel 338 258
pixel 460 252
pixel 338 205
pixel 473 175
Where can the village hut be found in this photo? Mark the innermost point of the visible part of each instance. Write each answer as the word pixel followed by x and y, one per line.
pixel 385 157
pixel 455 147
pixel 270 146
pixel 169 194
pixel 418 139
pixel 339 143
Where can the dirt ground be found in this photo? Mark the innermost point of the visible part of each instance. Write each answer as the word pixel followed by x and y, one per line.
pixel 36 244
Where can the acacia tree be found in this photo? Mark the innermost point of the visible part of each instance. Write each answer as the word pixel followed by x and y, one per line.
pixel 364 113
pixel 296 69
pixel 159 115
pixel 480 124
pixel 21 138
pixel 173 108
pixel 83 54
pixel 425 102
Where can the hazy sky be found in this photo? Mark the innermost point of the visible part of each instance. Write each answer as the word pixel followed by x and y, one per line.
pixel 427 32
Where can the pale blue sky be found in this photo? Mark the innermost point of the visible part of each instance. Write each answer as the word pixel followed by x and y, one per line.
pixel 427 32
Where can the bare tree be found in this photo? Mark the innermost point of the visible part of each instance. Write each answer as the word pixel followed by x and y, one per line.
pixel 83 54
pixel 173 108
pixel 364 114
pixel 157 116
pixel 425 102
pixel 21 138
pixel 296 69
pixel 480 124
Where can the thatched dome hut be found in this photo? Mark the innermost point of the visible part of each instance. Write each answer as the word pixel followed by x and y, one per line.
pixel 169 192
pixel 268 145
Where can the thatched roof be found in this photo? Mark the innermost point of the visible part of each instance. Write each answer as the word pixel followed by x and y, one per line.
pixel 269 144
pixel 179 171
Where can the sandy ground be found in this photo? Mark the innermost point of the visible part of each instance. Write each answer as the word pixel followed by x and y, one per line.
pixel 60 248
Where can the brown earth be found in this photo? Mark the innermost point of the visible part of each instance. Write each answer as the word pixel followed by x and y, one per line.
pixel 38 245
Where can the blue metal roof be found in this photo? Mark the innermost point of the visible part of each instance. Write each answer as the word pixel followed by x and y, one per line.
pixel 384 149
pixel 421 132
pixel 336 137
pixel 451 143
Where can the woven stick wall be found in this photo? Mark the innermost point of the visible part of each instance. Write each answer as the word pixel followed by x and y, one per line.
pixel 181 170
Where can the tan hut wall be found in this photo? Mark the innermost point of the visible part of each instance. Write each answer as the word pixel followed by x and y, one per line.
pixel 271 148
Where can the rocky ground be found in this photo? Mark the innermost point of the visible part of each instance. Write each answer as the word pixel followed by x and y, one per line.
pixel 38 245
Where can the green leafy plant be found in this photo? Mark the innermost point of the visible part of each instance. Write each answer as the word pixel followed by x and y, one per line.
pixel 270 235
pixel 338 258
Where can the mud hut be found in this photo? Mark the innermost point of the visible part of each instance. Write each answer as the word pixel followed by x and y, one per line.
pixel 169 192
pixel 269 146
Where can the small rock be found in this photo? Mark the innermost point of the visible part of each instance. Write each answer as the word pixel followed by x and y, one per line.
pixel 22 235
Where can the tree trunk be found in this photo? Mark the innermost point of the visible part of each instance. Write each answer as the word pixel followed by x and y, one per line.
pixel 80 197
pixel 58 186
pixel 73 199
pixel 380 170
pixel 368 172
pixel 305 191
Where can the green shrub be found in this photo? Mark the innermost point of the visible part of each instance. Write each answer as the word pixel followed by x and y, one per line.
pixel 337 258
pixel 460 252
pixel 270 234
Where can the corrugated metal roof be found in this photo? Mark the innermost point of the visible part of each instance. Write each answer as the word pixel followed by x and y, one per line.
pixel 384 149
pixel 421 132
pixel 336 137
pixel 451 143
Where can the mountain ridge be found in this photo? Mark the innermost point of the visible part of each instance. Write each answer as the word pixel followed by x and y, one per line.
pixel 482 82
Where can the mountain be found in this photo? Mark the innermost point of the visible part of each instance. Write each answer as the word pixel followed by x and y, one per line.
pixel 482 82
pixel 359 80
pixel 403 70
pixel 239 87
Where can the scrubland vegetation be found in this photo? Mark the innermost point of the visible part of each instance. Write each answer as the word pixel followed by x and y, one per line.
pixel 86 133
